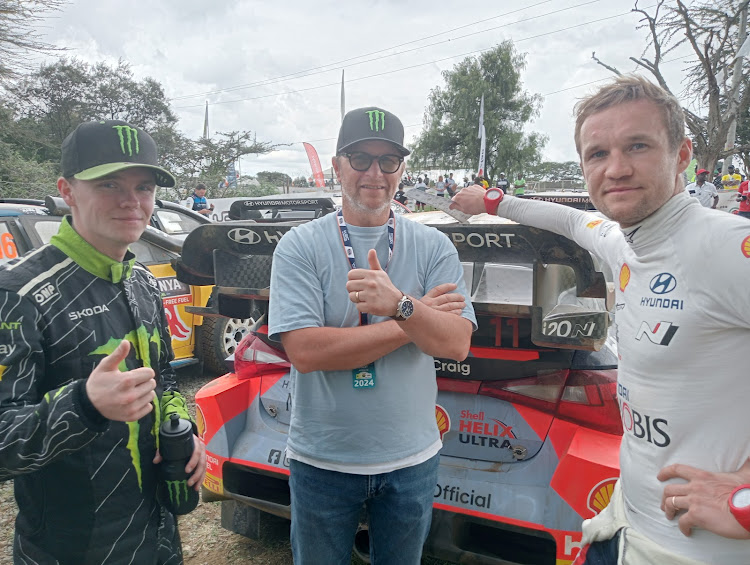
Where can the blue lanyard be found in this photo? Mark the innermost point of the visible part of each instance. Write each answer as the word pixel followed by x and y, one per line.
pixel 349 250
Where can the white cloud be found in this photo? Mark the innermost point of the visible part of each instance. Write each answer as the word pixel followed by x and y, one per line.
pixel 193 48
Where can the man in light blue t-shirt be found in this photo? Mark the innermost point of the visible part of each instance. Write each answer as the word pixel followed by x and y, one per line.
pixel 361 301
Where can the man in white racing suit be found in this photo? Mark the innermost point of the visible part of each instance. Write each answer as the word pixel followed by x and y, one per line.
pixel 684 492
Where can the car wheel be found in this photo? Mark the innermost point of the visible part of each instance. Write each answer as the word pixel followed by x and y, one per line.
pixel 219 338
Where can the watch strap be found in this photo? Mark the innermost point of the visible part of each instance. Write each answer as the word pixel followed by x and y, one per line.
pixel 741 514
pixel 491 204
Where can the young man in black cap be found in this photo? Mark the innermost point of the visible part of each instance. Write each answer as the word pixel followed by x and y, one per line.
pixel 361 301
pixel 85 379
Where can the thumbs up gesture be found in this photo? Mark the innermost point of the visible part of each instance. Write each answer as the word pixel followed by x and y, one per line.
pixel 372 290
pixel 123 396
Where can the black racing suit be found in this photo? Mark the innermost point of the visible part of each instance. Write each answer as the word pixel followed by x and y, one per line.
pixel 85 486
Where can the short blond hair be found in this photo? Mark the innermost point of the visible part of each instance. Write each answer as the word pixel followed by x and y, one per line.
pixel 629 88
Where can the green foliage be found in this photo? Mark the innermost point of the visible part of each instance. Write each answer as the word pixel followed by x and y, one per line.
pixel 263 189
pixel 42 108
pixel 49 103
pixel 450 141
pixel 552 171
pixel 274 178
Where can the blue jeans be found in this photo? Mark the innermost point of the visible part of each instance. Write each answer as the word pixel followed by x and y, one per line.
pixel 603 552
pixel 326 507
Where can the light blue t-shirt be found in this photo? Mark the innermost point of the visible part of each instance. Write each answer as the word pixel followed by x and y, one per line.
pixel 331 420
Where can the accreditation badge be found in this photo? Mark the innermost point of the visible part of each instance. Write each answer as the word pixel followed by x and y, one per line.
pixel 364 377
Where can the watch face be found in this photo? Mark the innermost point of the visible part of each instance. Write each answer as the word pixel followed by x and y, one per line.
pixel 741 498
pixel 407 308
pixel 493 194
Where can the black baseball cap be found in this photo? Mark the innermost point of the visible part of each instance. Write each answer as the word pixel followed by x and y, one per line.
pixel 364 124
pixel 97 149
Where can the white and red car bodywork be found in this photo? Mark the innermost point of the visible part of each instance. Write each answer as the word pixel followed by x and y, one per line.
pixel 529 421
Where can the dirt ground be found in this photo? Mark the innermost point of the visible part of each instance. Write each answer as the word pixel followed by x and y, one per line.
pixel 204 541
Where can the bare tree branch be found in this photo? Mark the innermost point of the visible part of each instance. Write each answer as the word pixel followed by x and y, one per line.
pixel 611 69
pixel 19 21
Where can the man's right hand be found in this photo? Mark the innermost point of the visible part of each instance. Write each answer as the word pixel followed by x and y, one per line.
pixel 117 395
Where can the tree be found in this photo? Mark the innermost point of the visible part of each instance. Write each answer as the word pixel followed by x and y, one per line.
pixel 52 101
pixel 19 35
pixel 551 171
pixel 449 139
pixel 743 139
pixel 206 160
pixel 274 178
pixel 710 30
pixel 45 106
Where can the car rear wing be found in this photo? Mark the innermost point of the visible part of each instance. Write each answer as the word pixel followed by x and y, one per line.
pixel 236 259
pixel 280 209
pixel 577 201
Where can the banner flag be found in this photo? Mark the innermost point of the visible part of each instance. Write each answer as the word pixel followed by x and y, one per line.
pixel 315 165
pixel 343 105
pixel 481 135
pixel 231 175
pixel 205 123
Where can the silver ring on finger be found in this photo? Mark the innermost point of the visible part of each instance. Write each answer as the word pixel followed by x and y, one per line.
pixel 674 503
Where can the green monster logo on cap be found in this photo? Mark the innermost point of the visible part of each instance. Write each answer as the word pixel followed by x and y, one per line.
pixel 175 489
pixel 377 119
pixel 127 135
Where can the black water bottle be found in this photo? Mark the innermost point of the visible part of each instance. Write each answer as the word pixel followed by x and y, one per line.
pixel 176 447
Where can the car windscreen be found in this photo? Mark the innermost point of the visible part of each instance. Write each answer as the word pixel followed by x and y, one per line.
pixel 175 223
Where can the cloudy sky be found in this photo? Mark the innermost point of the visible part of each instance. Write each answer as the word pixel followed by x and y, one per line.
pixel 274 67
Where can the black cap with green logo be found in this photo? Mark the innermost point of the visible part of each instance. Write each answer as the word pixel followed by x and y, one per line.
pixel 364 124
pixel 97 149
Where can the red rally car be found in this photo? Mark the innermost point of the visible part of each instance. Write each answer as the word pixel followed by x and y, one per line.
pixel 529 421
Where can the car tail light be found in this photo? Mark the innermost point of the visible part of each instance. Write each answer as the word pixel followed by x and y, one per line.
pixel 254 358
pixel 587 398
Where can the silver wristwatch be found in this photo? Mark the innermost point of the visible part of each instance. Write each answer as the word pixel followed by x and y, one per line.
pixel 404 309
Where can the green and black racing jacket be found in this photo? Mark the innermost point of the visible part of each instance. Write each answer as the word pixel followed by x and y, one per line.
pixel 85 486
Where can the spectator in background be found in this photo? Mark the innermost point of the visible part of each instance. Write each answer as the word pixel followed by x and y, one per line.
pixel 704 191
pixel 440 187
pixel 503 183
pixel 419 206
pixel 197 201
pixel 732 180
pixel 717 180
pixel 742 197
pixel 451 186
pixel 519 186
pixel 400 196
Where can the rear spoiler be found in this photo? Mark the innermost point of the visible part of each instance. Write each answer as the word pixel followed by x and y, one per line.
pixel 236 258
pixel 253 208
pixel 578 201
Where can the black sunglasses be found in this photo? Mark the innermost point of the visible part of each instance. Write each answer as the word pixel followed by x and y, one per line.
pixel 361 161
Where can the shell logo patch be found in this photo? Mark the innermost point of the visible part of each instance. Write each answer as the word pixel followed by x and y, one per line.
pixel 746 247
pixel 624 276
pixel 601 494
pixel 592 225
pixel 443 420
pixel 2 370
